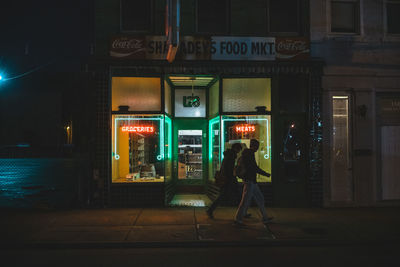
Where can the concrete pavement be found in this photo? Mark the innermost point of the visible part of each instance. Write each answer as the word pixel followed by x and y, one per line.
pixel 184 227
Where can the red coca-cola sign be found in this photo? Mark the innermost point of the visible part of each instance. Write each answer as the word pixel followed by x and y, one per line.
pixel 128 47
pixel 292 48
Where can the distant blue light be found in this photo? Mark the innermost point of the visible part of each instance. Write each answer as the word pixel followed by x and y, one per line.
pixel 1 77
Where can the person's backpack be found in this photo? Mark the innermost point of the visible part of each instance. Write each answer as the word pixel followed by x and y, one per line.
pixel 240 169
pixel 220 179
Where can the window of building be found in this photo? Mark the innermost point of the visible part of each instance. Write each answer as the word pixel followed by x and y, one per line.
pixel 136 15
pixel 245 94
pixel 241 129
pixel 393 17
pixel 341 180
pixel 138 148
pixel 243 24
pixel 345 16
pixel 212 16
pixel 284 16
pixel 136 94
pixel 142 16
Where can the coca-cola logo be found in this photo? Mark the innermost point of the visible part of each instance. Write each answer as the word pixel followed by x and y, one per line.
pixel 292 45
pixel 131 44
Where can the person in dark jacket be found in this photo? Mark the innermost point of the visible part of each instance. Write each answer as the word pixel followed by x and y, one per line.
pixel 230 188
pixel 251 189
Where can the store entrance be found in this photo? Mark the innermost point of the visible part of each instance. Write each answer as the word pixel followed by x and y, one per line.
pixel 190 158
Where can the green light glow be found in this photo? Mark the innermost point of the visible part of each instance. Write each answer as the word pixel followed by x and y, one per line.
pixel 169 149
pixel 210 136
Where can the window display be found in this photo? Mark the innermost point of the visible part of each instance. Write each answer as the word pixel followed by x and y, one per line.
pixel 243 128
pixel 138 148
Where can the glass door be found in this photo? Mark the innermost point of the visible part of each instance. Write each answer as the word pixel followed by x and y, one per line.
pixel 190 164
pixel 190 156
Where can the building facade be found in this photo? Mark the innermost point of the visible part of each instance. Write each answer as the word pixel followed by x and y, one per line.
pixel 359 43
pixel 242 70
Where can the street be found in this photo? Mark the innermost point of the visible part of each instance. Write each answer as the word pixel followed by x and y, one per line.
pixel 337 255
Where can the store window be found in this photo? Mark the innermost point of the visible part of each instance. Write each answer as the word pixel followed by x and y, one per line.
pixel 136 94
pixel 245 94
pixel 241 129
pixel 393 16
pixel 212 16
pixel 345 16
pixel 138 148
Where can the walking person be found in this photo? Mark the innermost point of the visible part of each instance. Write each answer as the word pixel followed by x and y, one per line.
pixel 230 188
pixel 251 190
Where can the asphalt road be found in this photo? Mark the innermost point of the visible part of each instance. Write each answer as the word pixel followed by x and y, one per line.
pixel 336 256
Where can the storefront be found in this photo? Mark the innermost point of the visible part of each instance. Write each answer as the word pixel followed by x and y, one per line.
pixel 166 126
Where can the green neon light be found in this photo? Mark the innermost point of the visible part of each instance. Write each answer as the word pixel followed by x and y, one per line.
pixel 169 150
pixel 210 138
pixel 161 155
pixel 266 156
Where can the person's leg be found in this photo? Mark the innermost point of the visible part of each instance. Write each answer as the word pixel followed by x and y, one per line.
pixel 259 198
pixel 216 202
pixel 245 202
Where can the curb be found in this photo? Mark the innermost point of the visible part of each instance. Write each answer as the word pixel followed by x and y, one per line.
pixel 198 244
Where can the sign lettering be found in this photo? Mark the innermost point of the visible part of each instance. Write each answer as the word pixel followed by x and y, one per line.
pixel 138 129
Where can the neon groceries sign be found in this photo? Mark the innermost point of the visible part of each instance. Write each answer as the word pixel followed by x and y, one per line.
pixel 245 128
pixel 138 129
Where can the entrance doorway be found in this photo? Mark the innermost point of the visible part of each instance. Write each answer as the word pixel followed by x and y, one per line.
pixel 190 109
pixel 190 164
pixel 190 158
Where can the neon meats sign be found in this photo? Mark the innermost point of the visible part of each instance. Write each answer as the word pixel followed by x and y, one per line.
pixel 138 129
pixel 245 128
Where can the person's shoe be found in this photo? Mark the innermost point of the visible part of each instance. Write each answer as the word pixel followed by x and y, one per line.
pixel 238 224
pixel 268 220
pixel 248 215
pixel 210 214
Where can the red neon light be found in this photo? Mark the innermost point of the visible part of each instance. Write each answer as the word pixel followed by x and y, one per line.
pixel 138 129
pixel 244 128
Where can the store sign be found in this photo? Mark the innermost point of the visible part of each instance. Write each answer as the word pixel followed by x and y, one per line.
pixel 191 101
pixel 243 48
pixel 138 129
pixel 211 48
pixel 390 106
pixel 245 128
pixel 292 48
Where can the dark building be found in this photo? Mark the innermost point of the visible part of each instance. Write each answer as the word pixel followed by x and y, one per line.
pixel 242 70
pixel 359 42
pixel 45 106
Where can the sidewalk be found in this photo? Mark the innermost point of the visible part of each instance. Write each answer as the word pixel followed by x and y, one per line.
pixel 158 227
